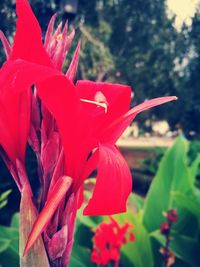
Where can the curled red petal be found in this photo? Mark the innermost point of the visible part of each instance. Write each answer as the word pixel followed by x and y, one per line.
pixel 116 128
pixel 113 185
pixel 59 191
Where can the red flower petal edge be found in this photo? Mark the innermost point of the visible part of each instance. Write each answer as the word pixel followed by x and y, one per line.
pixel 113 185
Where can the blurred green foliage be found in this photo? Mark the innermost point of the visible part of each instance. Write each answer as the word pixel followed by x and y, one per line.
pixel 4 198
pixel 9 243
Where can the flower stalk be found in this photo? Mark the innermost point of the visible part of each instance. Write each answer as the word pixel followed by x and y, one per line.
pixel 167 256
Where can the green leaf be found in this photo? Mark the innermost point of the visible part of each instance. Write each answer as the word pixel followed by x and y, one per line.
pixel 185 248
pixel 83 235
pixel 139 252
pixel 194 170
pixel 136 201
pixel 172 175
pixel 5 195
pixel 11 235
pixel 89 221
pixel 15 220
pixel 3 198
pixel 80 257
pixel 187 224
pixel 8 258
pixel 187 202
pixel 3 203
pixel 4 244
pixel 9 246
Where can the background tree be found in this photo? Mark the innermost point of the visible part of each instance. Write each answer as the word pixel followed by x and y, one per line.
pixel 133 42
pixel 190 122
pixel 142 48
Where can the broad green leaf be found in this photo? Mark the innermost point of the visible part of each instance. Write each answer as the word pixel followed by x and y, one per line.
pixel 194 169
pixel 187 223
pixel 185 248
pixel 11 235
pixel 83 235
pixel 136 201
pixel 9 246
pixel 139 252
pixel 172 175
pixel 187 202
pixel 4 244
pixel 74 262
pixel 15 220
pixel 9 258
pixel 89 221
pixel 80 257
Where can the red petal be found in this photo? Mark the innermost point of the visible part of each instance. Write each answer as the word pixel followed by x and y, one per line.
pixel 113 185
pixel 28 38
pixel 115 129
pixel 58 95
pixel 64 105
pixel 89 166
pixel 16 77
pixel 53 201
pixel 80 197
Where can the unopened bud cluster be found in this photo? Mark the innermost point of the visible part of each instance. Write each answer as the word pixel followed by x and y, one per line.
pixel 165 229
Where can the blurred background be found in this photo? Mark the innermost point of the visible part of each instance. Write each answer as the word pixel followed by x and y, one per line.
pixel 151 45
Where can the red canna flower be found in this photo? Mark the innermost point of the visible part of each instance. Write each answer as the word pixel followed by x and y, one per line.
pixel 90 142
pixel 108 239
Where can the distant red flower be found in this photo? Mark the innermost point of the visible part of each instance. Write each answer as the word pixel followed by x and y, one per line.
pixel 108 239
